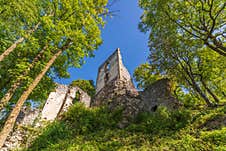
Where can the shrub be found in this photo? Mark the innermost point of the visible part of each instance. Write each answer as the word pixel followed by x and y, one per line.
pixel 78 120
pixel 161 121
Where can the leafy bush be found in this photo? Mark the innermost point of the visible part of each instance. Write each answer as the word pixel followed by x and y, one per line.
pixel 52 134
pixel 96 129
pixel 160 121
pixel 79 120
pixel 217 137
pixel 85 120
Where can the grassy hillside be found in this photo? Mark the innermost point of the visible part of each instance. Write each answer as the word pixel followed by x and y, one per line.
pixel 96 129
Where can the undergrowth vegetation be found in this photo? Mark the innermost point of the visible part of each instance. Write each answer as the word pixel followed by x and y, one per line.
pixel 96 129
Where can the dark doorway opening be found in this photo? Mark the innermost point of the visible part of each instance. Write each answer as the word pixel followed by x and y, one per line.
pixel 154 108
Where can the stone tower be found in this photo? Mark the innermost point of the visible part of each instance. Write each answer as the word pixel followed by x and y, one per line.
pixel 113 80
pixel 111 70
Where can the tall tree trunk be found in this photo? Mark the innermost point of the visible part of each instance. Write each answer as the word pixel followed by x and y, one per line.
pixel 13 88
pixel 14 45
pixel 8 127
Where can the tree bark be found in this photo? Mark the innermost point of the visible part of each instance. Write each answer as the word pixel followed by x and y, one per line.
pixel 13 88
pixel 8 127
pixel 14 45
pixel 198 90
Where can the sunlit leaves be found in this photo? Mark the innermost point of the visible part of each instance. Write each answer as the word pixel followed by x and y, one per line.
pixel 182 35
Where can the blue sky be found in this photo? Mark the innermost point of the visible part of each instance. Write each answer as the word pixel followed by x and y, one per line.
pixel 121 31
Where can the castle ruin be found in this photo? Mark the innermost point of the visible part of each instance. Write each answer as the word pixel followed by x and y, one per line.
pixel 114 88
pixel 113 79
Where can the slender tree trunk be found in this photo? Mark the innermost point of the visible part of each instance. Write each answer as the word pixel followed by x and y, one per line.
pixel 193 83
pixel 196 87
pixel 202 94
pixel 8 127
pixel 14 45
pixel 13 88
pixel 210 92
pixel 199 90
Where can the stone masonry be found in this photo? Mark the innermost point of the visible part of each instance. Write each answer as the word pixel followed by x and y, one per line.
pixel 57 103
pixel 159 94
pixel 114 88
pixel 113 80
pixel 20 135
pixel 61 99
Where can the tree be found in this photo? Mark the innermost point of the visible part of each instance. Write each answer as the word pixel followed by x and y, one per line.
pixel 16 110
pixel 19 19
pixel 17 83
pixel 18 22
pixel 146 75
pixel 179 57
pixel 72 33
pixel 201 20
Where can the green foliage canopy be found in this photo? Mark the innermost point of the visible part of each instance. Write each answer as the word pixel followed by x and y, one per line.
pixel 176 53
pixel 201 20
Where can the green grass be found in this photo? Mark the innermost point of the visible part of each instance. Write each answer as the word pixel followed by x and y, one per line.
pixel 96 129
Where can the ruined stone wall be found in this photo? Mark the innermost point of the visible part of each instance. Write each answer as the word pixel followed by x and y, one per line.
pixel 54 103
pixel 119 91
pixel 61 99
pixel 111 69
pixel 70 96
pixel 124 74
pixel 114 89
pixel 57 103
pixel 119 82
pixel 159 93
pixel 108 71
